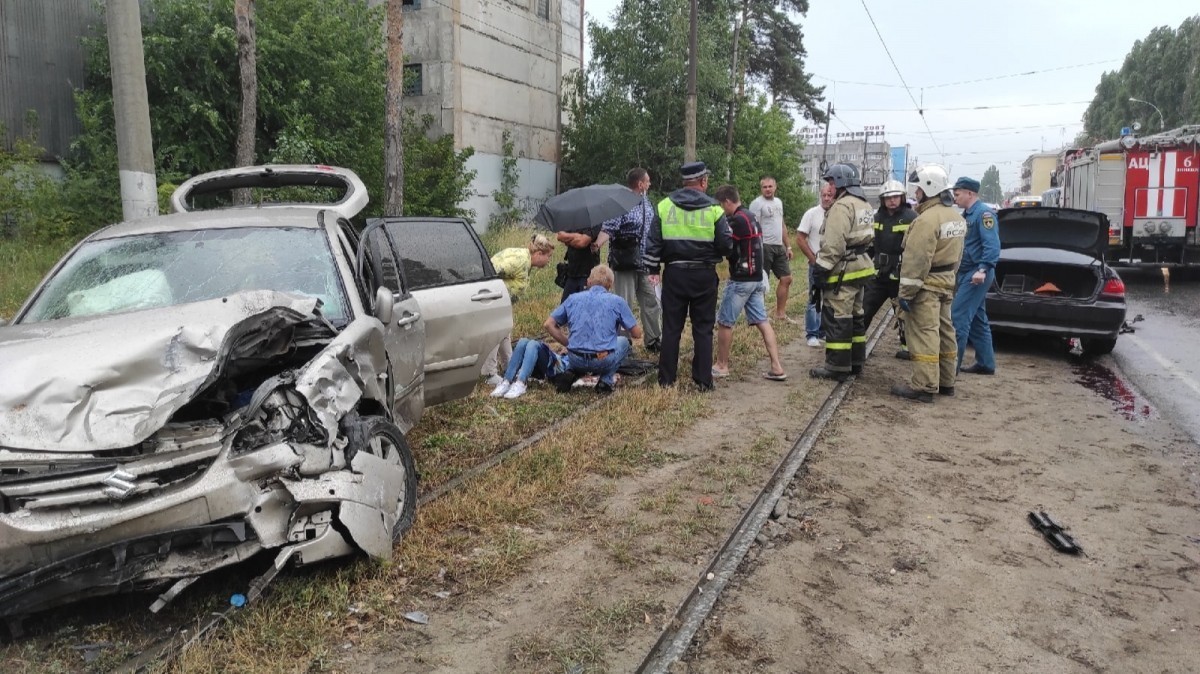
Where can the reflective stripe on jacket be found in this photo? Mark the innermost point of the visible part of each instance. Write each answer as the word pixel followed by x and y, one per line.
pixel 845 237
pixel 934 242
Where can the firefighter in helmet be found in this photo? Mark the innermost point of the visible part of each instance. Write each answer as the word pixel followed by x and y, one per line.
pixel 891 222
pixel 933 249
pixel 841 273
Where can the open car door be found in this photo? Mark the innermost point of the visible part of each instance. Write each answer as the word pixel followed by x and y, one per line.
pixel 466 308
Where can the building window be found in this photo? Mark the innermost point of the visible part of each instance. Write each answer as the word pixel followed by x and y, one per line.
pixel 414 84
pixel 543 8
pixel 411 4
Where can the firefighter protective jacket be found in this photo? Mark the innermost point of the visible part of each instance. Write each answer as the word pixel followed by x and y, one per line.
pixel 845 238
pixel 933 249
pixel 889 239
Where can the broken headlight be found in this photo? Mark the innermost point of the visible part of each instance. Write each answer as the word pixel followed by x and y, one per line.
pixel 279 415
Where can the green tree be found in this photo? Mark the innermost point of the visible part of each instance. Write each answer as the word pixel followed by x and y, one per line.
pixel 1162 69
pixel 628 111
pixel 321 75
pixel 989 188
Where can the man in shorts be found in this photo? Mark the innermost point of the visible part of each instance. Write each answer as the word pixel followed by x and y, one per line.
pixel 767 210
pixel 744 290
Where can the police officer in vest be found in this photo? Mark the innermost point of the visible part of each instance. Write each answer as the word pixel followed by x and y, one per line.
pixel 841 274
pixel 688 237
pixel 932 250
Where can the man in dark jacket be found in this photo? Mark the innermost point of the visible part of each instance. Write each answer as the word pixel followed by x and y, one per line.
pixel 891 222
pixel 744 291
pixel 580 259
pixel 688 237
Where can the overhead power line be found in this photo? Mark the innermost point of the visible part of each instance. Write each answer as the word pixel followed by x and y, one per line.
pixel 972 107
pixel 991 78
pixel 887 51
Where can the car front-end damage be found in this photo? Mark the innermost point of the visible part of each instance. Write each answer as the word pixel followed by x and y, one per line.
pixel 160 455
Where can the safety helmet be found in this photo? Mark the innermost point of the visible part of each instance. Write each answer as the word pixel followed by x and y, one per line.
pixel 892 188
pixel 842 175
pixel 931 178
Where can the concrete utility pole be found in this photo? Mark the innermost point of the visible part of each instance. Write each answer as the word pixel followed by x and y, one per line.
pixel 393 152
pixel 135 148
pixel 689 132
pixel 825 150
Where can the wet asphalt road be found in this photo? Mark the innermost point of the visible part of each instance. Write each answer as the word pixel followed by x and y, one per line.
pixel 1162 358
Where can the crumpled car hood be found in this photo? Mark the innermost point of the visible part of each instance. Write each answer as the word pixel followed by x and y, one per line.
pixel 111 381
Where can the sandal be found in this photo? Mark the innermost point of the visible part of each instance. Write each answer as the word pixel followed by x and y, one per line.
pixel 782 376
pixel 717 374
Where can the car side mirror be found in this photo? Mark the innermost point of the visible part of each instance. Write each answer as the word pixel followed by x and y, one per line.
pixel 385 304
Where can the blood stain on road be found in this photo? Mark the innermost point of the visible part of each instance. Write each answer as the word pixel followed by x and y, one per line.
pixel 1104 382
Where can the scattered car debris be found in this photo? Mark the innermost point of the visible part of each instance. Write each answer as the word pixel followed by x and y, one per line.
pixel 417 617
pixel 1054 533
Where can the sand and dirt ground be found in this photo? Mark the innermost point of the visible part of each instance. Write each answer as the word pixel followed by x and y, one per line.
pixel 905 546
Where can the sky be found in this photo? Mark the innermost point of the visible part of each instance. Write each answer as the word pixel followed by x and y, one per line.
pixel 939 47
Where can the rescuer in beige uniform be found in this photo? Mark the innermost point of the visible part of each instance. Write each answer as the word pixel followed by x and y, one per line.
pixel 932 250
pixel 841 273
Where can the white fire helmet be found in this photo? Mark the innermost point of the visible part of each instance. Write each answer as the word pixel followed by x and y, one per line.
pixel 892 188
pixel 931 178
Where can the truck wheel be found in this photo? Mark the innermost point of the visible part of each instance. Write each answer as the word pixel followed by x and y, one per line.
pixel 379 437
pixel 1099 347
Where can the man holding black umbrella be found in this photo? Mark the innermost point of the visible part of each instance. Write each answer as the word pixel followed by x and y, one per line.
pixel 688 237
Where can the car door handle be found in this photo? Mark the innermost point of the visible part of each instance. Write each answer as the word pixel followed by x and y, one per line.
pixel 407 319
pixel 486 295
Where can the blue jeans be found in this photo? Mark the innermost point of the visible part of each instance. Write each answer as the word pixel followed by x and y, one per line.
pixel 588 363
pixel 530 358
pixel 739 296
pixel 812 318
pixel 969 314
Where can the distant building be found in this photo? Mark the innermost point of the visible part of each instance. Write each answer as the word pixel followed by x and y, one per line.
pixel 41 64
pixel 483 67
pixel 480 67
pixel 867 149
pixel 1036 172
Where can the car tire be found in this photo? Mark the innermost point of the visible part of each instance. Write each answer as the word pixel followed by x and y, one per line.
pixel 380 437
pixel 1099 347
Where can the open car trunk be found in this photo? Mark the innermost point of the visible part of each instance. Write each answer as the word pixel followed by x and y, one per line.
pixel 1025 278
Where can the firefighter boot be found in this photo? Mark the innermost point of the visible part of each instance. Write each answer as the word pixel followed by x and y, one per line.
pixel 824 373
pixel 906 391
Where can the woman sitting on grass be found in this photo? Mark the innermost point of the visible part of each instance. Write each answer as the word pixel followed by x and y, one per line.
pixel 513 265
pixel 530 358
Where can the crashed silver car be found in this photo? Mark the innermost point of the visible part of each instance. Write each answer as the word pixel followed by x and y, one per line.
pixel 185 391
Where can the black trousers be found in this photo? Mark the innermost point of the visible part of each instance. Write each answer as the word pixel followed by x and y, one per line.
pixel 575 284
pixel 879 291
pixel 688 292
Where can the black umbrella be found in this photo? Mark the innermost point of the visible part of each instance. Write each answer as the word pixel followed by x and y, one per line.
pixel 583 208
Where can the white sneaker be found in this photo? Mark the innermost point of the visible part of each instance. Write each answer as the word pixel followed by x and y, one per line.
pixel 501 389
pixel 516 390
pixel 814 342
pixel 494 380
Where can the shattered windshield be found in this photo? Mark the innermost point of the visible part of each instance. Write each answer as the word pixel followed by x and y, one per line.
pixel 164 269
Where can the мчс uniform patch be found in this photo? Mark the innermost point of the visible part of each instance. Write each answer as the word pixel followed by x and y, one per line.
pixel 989 219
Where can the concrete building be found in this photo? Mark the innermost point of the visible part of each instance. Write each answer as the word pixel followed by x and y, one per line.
pixel 480 67
pixel 867 149
pixel 484 67
pixel 1036 172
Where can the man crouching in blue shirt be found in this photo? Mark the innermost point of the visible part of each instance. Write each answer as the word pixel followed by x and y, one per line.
pixel 593 318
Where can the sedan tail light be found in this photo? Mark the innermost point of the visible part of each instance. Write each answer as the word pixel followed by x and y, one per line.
pixel 1113 287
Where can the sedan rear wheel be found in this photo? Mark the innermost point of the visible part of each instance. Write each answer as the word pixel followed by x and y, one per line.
pixel 379 437
pixel 1099 347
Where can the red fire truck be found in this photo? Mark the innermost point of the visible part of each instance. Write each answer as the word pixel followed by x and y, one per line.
pixel 1149 187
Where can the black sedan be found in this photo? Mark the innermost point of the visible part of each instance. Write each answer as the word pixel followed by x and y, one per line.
pixel 1052 279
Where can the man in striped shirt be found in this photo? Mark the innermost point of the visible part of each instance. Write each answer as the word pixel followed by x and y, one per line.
pixel 626 236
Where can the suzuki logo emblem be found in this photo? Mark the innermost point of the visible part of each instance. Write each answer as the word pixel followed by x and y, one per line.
pixel 119 484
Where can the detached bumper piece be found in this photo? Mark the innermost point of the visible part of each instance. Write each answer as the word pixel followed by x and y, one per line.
pixel 1054 533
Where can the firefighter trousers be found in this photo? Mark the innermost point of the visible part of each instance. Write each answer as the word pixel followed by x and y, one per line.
pixel 931 343
pixel 845 330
